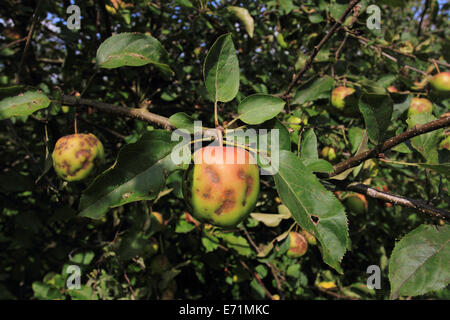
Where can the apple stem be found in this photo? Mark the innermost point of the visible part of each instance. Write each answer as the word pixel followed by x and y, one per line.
pixel 75 122
pixel 436 66
pixel 220 136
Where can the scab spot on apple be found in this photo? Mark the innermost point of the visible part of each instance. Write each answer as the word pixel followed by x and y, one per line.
pixel 228 202
pixel 212 174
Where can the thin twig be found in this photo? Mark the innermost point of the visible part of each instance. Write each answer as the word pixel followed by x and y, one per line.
pixel 317 48
pixel 136 113
pixel 269 264
pixel 399 200
pixel 419 29
pixel 12 43
pixel 36 15
pixel 390 143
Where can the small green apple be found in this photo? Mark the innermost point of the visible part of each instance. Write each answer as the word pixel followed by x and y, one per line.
pixel 445 144
pixel 77 156
pixel 298 245
pixel 345 101
pixel 294 122
pixel 309 237
pixel 357 203
pixel 328 153
pixel 419 106
pixel 441 82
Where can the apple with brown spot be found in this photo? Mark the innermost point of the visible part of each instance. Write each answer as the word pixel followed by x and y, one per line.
pixel 419 106
pixel 77 156
pixel 298 245
pixel 222 186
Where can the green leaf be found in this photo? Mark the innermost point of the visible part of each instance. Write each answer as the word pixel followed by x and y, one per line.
pixel 318 165
pixel 442 168
pixel 355 135
pixel 420 261
pixel 83 258
pixel 181 120
pixel 377 112
pixel 313 90
pixel 132 49
pixel 307 199
pixel 426 143
pixel 308 150
pixel 271 219
pixel 44 291
pixel 185 3
pixel 139 173
pixel 221 70
pixel 236 242
pixel 23 104
pixel 245 17
pixel 315 17
pixel 258 108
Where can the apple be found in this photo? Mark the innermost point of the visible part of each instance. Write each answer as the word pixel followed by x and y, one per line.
pixel 77 156
pixel 445 144
pixel 419 106
pixel 298 245
pixel 357 203
pixel 222 186
pixel 392 89
pixel 294 122
pixel 328 153
pixel 157 221
pixel 441 82
pixel 345 101
pixel 309 237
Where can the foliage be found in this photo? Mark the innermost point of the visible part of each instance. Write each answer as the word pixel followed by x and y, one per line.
pixel 226 63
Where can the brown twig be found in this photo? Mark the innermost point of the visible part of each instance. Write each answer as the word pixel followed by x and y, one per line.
pixel 419 29
pixel 317 48
pixel 390 143
pixel 269 264
pixel 12 43
pixel 129 285
pixel 399 200
pixel 137 113
pixel 36 15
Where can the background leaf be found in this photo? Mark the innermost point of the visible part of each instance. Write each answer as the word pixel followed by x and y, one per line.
pixel 258 108
pixel 377 113
pixel 315 89
pixel 419 262
pixel 245 17
pixel 132 49
pixel 305 197
pixel 23 104
pixel 221 70
pixel 138 174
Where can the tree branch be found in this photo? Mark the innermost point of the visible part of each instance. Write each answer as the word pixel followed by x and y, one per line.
pixel 419 29
pixel 136 113
pixel 317 48
pixel 36 16
pixel 399 200
pixel 390 143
